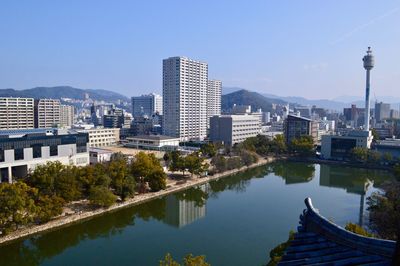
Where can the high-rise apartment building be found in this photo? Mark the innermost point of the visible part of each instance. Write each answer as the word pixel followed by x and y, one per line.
pixel 382 111
pixel 66 115
pixel 185 98
pixel 214 89
pixel 147 105
pixel 47 113
pixel 16 113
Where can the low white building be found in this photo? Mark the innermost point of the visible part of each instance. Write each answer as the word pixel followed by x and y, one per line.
pixel 97 155
pixel 340 146
pixel 232 129
pixel 102 137
pixel 152 142
pixel 22 151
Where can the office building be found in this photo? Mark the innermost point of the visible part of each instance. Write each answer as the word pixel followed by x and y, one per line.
pixel 232 129
pixel 152 142
pixel 297 126
pixel 339 146
pixel 22 150
pixel 66 115
pixel 185 98
pixel 304 111
pixel 382 111
pixel 147 105
pixel 214 90
pixel 47 113
pixel 102 137
pixel 16 113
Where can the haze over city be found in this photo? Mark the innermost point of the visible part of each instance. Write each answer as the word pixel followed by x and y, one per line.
pixel 309 49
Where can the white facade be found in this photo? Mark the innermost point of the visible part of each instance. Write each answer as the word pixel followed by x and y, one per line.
pixel 47 113
pixel 185 98
pixel 99 155
pixel 151 142
pixel 214 90
pixel 102 137
pixel 16 113
pixel 66 115
pixel 232 129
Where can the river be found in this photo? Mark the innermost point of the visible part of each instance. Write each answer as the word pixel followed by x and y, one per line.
pixel 236 220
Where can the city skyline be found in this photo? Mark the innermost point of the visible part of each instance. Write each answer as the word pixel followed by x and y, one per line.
pixel 256 47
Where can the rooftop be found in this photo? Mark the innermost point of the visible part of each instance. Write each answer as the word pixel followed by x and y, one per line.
pixel 319 241
pixel 153 137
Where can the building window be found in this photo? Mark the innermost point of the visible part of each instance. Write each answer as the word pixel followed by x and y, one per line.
pixel 37 151
pixel 19 154
pixel 53 150
pixel 1 155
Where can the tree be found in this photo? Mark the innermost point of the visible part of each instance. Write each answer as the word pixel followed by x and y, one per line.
pixel 48 207
pixel 101 196
pixel 157 180
pixel 374 156
pixel 17 205
pixel 248 158
pixel 303 145
pixel 278 145
pixel 387 157
pixel 122 181
pixel 359 154
pixel 66 185
pixel 44 175
pixel 234 163
pixel 208 150
pixel 375 135
pixel 195 164
pixel 177 162
pixel 93 176
pixel 384 208
pixel 355 228
pixel 189 260
pixel 220 163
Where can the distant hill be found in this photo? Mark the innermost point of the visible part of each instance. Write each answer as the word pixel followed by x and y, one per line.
pixel 63 92
pixel 245 97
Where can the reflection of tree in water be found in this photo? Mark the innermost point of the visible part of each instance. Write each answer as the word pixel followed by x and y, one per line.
pixel 238 182
pixel 293 172
pixel 198 195
pixel 35 250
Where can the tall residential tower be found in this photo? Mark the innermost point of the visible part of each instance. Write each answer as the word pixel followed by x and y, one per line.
pixel 214 90
pixel 185 98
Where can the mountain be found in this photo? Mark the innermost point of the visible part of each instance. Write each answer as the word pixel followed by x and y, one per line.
pixel 63 92
pixel 227 90
pixel 245 97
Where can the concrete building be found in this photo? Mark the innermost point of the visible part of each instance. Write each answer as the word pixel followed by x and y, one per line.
pixel 382 111
pixel 47 113
pixel 241 109
pixel 97 155
pixel 147 105
pixel 304 111
pixel 16 113
pixel 66 115
pixel 102 137
pixel 232 129
pixel 185 84
pixel 389 145
pixel 152 142
pixel 296 127
pixel 339 146
pixel 355 115
pixel 22 150
pixel 214 90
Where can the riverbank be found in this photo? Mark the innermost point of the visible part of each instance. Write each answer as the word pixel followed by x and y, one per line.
pixel 59 222
pixel 343 163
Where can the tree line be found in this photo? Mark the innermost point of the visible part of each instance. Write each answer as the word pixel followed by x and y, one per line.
pixel 45 191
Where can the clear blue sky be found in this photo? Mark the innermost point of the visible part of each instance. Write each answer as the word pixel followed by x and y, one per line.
pixel 302 48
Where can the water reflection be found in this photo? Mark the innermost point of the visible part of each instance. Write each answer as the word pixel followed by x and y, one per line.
pixel 294 172
pixel 185 208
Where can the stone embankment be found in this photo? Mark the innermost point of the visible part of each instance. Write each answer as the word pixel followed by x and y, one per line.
pixel 138 199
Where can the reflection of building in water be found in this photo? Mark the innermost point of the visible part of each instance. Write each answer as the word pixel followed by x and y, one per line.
pixel 181 212
pixel 343 178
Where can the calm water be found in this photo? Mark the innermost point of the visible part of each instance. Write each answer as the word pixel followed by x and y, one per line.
pixel 233 221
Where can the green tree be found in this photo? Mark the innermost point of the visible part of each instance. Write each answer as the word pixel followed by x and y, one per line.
pixel 208 150
pixel 375 135
pixel 248 158
pixel 303 145
pixel 101 196
pixel 17 205
pixel 157 180
pixel 122 181
pixel 93 176
pixel 387 157
pixel 374 156
pixel 355 228
pixel 177 162
pixel 278 145
pixel 220 163
pixel 48 207
pixel 66 185
pixel 277 253
pixel 189 260
pixel 43 177
pixel 234 163
pixel 195 164
pixel 359 154
pixel 384 211
pixel 168 261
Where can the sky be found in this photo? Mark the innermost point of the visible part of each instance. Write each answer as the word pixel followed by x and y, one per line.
pixel 289 48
